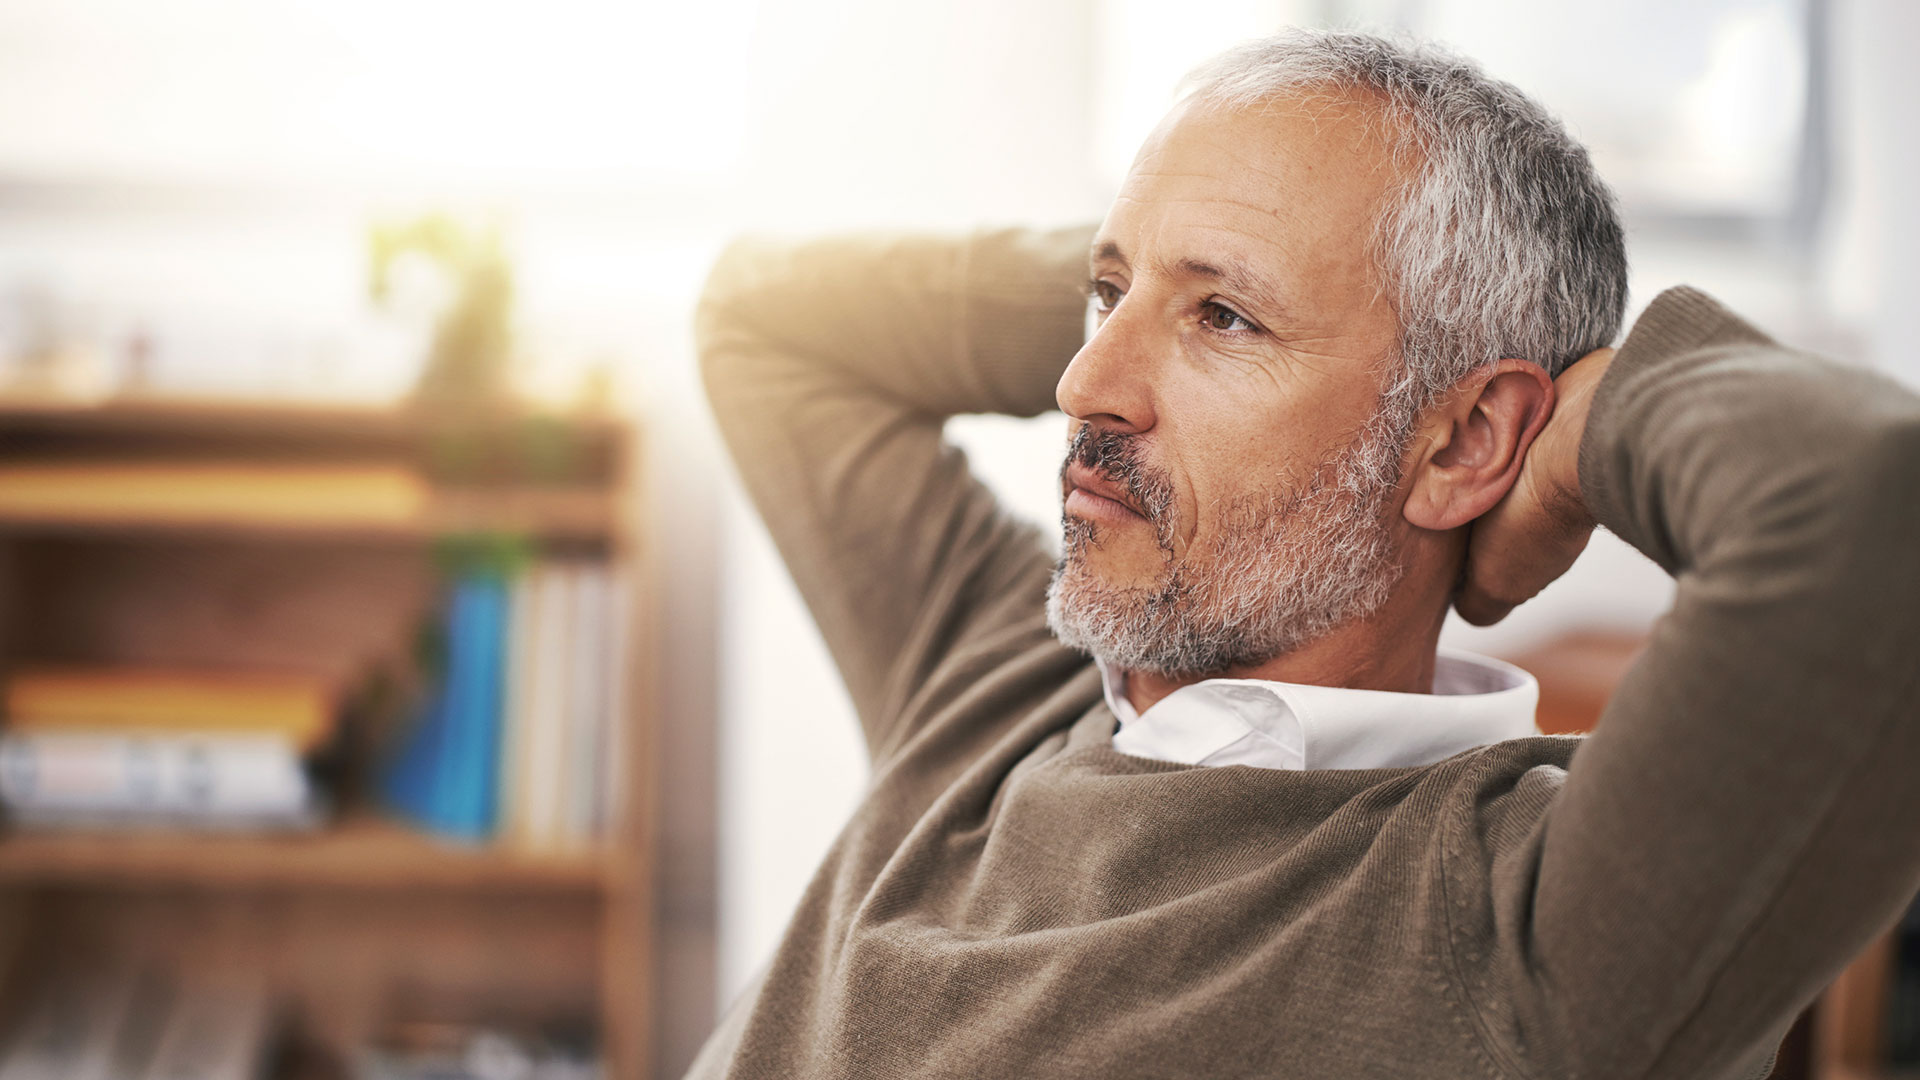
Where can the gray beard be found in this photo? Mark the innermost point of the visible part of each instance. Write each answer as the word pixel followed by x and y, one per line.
pixel 1283 569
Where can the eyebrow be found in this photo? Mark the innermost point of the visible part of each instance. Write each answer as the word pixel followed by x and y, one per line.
pixel 1232 275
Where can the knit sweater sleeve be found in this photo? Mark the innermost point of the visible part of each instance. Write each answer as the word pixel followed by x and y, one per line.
pixel 832 366
pixel 1746 816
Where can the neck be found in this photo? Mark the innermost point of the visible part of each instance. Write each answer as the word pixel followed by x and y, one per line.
pixel 1392 649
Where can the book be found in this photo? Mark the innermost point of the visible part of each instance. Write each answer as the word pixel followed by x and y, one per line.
pixel 129 700
pixel 191 780
pixel 618 749
pixel 516 734
pixel 445 778
pixel 191 492
pixel 215 1032
pixel 72 1029
pixel 477 649
pixel 452 1050
pixel 551 641
pixel 586 719
pixel 133 1024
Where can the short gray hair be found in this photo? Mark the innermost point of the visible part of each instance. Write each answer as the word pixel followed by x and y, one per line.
pixel 1504 244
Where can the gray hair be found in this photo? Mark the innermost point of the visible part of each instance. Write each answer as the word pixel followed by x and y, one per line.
pixel 1505 243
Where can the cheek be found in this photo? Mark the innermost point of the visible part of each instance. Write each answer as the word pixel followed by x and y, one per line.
pixel 1239 425
pixel 1212 459
pixel 1218 456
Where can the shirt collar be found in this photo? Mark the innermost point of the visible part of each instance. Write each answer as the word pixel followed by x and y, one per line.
pixel 1476 700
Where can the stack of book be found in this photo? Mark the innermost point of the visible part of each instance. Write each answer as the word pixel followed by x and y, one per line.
pixel 146 746
pixel 442 1050
pixel 522 739
pixel 142 1025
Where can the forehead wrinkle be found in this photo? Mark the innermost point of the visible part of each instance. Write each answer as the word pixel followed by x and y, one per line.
pixel 1230 216
pixel 1228 187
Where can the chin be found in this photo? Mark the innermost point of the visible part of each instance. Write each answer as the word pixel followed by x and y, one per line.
pixel 1118 557
pixel 1223 610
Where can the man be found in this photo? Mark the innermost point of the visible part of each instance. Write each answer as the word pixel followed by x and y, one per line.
pixel 1202 799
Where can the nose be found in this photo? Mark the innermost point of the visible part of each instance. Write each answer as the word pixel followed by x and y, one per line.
pixel 1108 383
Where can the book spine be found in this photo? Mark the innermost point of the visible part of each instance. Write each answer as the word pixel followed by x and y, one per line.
pixel 163 776
pixel 140 700
pixel 215 1034
pixel 408 784
pixel 466 780
pixel 490 705
pixel 416 780
pixel 614 763
pixel 587 701
pixel 442 802
pixel 548 705
pixel 71 1031
pixel 516 736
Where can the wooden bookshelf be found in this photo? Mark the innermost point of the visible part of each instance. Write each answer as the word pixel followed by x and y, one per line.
pixel 363 919
pixel 359 852
pixel 342 428
pixel 582 515
pixel 1849 1026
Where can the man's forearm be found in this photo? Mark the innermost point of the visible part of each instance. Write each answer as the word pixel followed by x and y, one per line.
pixel 831 366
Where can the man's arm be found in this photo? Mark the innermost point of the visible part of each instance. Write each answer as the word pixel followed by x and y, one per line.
pixel 832 366
pixel 1746 815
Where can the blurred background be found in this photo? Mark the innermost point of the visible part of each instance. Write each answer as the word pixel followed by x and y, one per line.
pixel 387 644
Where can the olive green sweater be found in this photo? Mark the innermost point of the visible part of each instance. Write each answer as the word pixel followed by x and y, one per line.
pixel 1014 898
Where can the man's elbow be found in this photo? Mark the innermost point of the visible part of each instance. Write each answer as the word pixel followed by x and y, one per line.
pixel 1892 456
pixel 724 311
pixel 1868 517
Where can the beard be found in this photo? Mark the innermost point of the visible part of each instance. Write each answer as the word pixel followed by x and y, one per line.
pixel 1283 566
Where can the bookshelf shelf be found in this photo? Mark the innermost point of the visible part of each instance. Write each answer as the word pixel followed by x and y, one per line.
pixel 582 515
pixel 273 421
pixel 361 853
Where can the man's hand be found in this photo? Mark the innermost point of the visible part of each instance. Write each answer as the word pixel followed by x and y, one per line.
pixel 1532 536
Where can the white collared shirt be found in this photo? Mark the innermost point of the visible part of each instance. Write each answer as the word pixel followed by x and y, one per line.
pixel 1476 700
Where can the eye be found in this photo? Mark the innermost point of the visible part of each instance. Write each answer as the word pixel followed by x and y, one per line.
pixel 1104 295
pixel 1223 318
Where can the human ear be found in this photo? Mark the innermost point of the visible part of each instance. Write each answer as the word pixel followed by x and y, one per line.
pixel 1473 442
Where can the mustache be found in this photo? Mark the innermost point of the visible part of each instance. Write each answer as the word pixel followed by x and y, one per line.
pixel 1121 459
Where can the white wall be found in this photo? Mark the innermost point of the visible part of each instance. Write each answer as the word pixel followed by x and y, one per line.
pixel 1872 265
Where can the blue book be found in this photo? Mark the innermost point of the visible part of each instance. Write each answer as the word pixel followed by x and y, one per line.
pixel 446 777
pixel 472 750
pixel 407 785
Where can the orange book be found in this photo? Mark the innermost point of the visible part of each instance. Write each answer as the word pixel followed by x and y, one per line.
pixel 126 700
pixel 273 494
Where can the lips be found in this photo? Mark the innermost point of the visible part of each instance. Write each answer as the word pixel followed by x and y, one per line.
pixel 1080 477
